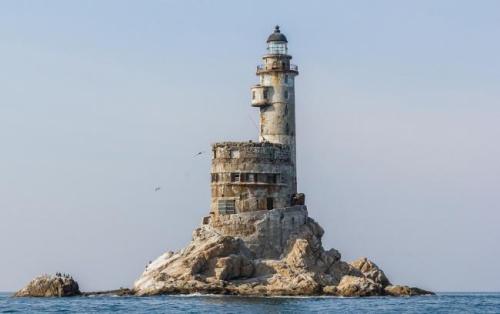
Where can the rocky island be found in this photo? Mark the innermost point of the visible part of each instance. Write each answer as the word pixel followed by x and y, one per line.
pixel 58 285
pixel 258 238
pixel 277 252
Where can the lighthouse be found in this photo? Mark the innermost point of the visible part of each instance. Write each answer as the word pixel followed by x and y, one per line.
pixel 252 176
pixel 275 95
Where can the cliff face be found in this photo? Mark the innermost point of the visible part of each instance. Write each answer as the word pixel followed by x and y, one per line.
pixel 277 252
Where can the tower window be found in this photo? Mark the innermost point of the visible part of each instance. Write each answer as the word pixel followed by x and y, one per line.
pixel 286 110
pixel 226 207
pixel 264 94
pixel 244 177
pixel 215 177
pixel 286 94
pixel 286 78
pixel 235 177
pixel 253 94
pixel 270 204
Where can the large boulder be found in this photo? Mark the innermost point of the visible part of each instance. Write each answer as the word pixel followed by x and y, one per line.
pixel 232 267
pixel 351 286
pixel 371 271
pixel 50 286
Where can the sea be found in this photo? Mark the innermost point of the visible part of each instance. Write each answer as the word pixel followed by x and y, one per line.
pixel 440 303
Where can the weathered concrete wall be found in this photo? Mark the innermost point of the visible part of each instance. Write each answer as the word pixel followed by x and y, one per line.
pixel 250 174
pixel 277 112
pixel 265 233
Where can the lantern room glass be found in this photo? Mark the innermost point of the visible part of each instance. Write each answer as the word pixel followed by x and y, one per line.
pixel 277 48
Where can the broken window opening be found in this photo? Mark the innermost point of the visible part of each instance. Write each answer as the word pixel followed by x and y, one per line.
pixel 235 177
pixel 269 203
pixel 226 207
pixel 215 177
pixel 274 178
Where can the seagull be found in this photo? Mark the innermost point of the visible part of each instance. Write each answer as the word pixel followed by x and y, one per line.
pixel 197 154
pixel 157 188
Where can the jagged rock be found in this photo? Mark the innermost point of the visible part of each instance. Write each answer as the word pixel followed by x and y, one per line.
pixel 371 271
pixel 351 286
pixel 400 291
pixel 50 286
pixel 233 266
pixel 330 290
pixel 260 253
pixel 301 255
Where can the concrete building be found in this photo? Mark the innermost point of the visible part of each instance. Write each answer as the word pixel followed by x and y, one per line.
pixel 249 176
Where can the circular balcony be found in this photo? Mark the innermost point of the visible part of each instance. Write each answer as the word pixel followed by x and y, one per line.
pixel 277 67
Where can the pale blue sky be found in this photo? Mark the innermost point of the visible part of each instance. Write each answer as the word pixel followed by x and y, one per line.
pixel 398 123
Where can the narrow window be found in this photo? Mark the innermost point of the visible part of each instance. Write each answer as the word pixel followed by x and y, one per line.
pixel 244 177
pixel 286 94
pixel 253 94
pixel 251 177
pixel 235 177
pixel 215 177
pixel 286 110
pixel 274 178
pixel 269 203
pixel 264 94
pixel 226 207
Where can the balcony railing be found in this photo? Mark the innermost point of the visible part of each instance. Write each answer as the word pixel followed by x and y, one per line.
pixel 290 67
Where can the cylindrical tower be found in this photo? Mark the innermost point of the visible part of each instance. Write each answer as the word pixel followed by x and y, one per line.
pixel 275 96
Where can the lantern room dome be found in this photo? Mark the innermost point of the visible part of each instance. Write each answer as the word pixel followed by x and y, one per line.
pixel 277 36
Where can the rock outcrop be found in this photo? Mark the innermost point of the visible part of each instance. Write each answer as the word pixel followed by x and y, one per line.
pixel 277 252
pixel 404 291
pixel 370 271
pixel 50 286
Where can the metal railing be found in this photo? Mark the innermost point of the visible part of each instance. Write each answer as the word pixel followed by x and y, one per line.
pixel 291 67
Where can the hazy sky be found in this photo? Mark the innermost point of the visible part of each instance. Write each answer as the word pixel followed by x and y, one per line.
pixel 398 127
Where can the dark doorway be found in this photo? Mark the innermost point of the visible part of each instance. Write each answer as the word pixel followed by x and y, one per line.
pixel 269 203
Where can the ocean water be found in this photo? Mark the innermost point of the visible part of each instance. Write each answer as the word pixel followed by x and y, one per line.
pixel 441 303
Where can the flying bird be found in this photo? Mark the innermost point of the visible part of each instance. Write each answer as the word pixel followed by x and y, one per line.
pixel 157 188
pixel 197 154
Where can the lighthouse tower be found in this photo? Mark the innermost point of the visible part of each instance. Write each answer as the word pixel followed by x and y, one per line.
pixel 256 176
pixel 275 97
